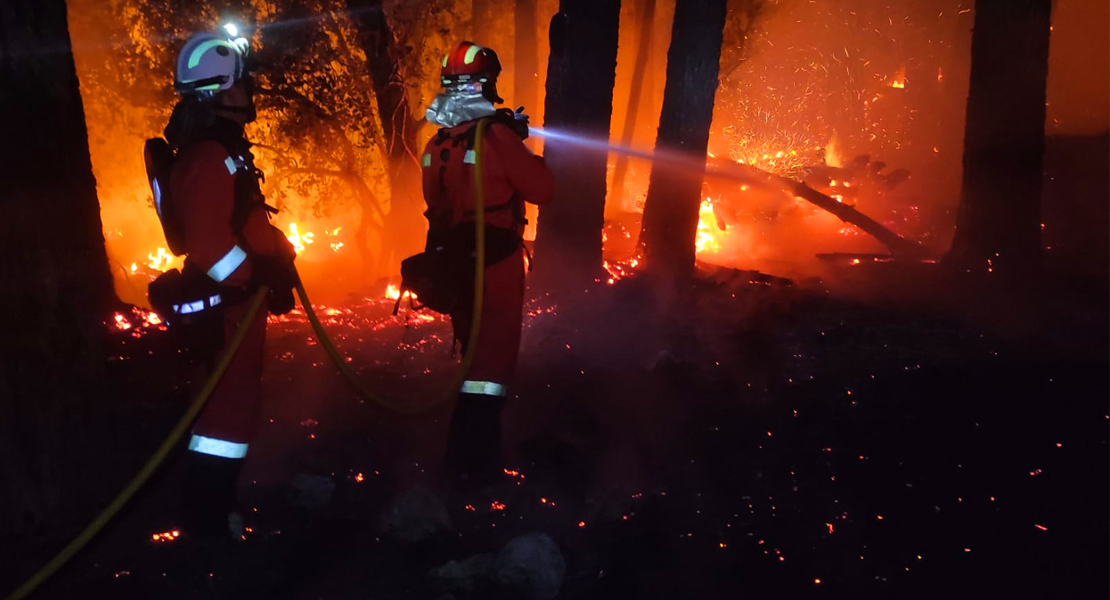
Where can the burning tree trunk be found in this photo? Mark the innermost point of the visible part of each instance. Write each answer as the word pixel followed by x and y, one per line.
pixel 404 227
pixel 580 77
pixel 674 191
pixel 634 93
pixel 59 285
pixel 525 55
pixel 998 224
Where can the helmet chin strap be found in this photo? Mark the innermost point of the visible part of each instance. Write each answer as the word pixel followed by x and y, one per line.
pixel 245 110
pixel 489 90
pixel 249 113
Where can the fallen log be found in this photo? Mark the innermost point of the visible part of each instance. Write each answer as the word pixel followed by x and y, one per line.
pixel 752 176
pixel 898 245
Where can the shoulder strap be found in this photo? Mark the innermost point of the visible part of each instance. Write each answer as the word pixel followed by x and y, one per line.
pixel 463 138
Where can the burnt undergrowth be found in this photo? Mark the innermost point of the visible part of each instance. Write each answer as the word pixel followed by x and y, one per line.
pixel 764 436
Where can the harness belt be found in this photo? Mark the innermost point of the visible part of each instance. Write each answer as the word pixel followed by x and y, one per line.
pixel 198 305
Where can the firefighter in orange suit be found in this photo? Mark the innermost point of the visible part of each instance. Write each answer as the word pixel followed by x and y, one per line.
pixel 229 240
pixel 511 175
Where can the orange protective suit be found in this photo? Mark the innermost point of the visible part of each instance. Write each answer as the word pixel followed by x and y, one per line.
pixel 205 182
pixel 512 176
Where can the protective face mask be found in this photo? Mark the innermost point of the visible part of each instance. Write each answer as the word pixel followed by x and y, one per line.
pixel 458 106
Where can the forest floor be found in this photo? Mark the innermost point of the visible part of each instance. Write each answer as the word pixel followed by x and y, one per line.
pixel 872 437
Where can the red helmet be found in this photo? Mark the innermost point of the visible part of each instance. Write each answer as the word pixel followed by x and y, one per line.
pixel 469 63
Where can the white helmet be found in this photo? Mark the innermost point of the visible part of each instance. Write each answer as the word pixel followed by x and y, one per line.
pixel 210 63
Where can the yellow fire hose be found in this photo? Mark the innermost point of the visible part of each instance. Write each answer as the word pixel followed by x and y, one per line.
pixel 152 463
pixel 133 486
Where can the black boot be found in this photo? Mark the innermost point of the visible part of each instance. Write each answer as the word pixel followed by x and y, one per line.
pixel 209 504
pixel 474 440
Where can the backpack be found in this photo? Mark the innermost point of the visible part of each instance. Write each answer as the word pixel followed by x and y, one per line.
pixel 442 277
pixel 159 158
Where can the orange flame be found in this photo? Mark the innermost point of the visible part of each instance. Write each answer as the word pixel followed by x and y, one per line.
pixel 706 240
pixel 298 239
pixel 899 80
pixel 832 153
pixel 393 292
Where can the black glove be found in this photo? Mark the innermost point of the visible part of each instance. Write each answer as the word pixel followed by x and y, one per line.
pixel 281 301
pixel 517 121
pixel 276 272
pixel 280 275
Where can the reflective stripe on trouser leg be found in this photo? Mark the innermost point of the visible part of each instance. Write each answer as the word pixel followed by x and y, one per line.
pixel 217 447
pixel 485 388
pixel 227 265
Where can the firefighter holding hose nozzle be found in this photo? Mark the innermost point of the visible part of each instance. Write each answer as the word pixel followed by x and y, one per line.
pixel 511 175
pixel 207 195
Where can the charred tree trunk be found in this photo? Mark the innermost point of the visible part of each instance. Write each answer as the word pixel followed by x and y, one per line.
pixel 403 234
pixel 634 94
pixel 525 55
pixel 580 76
pixel 57 283
pixel 998 223
pixel 674 192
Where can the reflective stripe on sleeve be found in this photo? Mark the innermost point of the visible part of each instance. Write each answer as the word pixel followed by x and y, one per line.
pixel 230 164
pixel 470 157
pixel 227 265
pixel 426 160
pixel 485 388
pixel 217 447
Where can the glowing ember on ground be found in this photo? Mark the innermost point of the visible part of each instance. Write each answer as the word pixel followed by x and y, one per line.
pixel 618 270
pixel 138 323
pixel 166 536
pixel 122 322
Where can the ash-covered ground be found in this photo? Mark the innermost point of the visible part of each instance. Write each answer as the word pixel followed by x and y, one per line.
pixel 863 434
